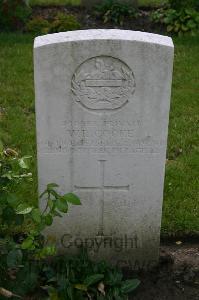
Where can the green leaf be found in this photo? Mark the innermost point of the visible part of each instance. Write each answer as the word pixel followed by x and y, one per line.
pixel 8 215
pixel 48 220
pixel 169 28
pixel 54 193
pixel 23 162
pixel 53 295
pixel 7 175
pixel 14 258
pixel 49 250
pixel 12 200
pixel 129 285
pixel 50 204
pixel 62 205
pixel 23 209
pixel 184 28
pixel 27 243
pixel 197 19
pixel 188 11
pixel 90 280
pixel 19 219
pixel 51 186
pixel 81 287
pixel 36 215
pixel 191 24
pixel 72 198
pixel 57 214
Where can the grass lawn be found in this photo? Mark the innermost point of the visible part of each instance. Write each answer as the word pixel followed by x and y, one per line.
pixel 77 2
pixel 54 2
pixel 17 124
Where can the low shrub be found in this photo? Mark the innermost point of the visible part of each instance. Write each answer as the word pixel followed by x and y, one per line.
pixel 179 22
pixel 114 11
pixel 179 4
pixel 38 25
pixel 14 14
pixel 61 22
pixel 80 278
pixel 21 223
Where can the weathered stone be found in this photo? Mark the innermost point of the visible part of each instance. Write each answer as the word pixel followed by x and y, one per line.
pixel 102 106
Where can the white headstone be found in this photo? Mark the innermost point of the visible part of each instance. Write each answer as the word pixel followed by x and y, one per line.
pixel 102 108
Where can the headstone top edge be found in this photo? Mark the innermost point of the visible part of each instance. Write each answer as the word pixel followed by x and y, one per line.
pixel 102 34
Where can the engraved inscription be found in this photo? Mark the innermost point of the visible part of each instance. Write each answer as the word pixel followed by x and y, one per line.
pixel 102 188
pixel 103 83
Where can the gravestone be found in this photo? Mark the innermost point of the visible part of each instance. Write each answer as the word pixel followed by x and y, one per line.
pixel 102 110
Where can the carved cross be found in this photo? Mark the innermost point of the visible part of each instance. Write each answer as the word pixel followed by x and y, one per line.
pixel 102 188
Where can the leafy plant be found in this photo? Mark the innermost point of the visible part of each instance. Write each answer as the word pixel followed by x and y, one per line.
pixel 24 258
pixel 178 22
pixel 22 224
pixel 61 22
pixel 80 278
pixel 38 25
pixel 179 4
pixel 14 14
pixel 115 11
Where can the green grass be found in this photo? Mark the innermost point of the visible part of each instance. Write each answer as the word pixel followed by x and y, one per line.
pixel 17 119
pixel 17 124
pixel 54 2
pixel 181 198
pixel 77 2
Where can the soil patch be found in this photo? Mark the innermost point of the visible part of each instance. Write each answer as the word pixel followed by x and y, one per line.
pixel 176 277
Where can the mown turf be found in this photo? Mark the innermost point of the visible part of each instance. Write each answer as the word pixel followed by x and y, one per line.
pixel 17 124
pixel 54 2
pixel 17 119
pixel 181 197
pixel 77 2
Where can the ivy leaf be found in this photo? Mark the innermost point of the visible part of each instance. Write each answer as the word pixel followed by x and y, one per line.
pixel 129 285
pixel 62 205
pixel 23 209
pixel 72 198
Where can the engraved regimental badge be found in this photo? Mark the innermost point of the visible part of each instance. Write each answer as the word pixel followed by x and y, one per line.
pixel 103 83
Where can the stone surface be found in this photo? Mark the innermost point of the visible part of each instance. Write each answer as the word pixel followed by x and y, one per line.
pixel 102 108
